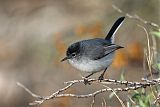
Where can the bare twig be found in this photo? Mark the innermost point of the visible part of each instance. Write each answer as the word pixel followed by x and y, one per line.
pixel 93 101
pixel 156 100
pixel 31 93
pixel 136 17
pixel 149 56
pixel 42 99
pixel 57 94
pixel 114 92
pixel 104 104
pixel 106 81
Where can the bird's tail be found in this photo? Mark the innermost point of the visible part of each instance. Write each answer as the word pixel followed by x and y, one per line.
pixel 115 27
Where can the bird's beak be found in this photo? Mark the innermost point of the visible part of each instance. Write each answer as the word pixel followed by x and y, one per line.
pixel 64 59
pixel 120 47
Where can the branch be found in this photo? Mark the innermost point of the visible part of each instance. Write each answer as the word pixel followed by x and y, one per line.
pixel 41 98
pixel 129 86
pixel 136 17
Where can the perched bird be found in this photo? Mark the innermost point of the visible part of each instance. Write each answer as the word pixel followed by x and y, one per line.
pixel 94 55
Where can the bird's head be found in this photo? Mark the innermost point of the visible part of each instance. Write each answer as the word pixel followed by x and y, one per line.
pixel 73 51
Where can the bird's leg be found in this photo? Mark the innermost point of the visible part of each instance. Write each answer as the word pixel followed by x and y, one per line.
pixel 86 79
pixel 89 75
pixel 101 77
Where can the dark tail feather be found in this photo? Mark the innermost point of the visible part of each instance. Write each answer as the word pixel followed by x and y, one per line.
pixel 114 28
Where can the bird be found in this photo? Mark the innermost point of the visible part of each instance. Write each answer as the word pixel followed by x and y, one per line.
pixel 94 55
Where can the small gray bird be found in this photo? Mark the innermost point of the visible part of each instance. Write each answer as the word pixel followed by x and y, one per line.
pixel 94 55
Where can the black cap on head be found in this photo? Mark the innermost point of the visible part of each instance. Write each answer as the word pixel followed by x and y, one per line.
pixel 72 51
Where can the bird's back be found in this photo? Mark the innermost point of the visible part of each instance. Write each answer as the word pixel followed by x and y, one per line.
pixel 96 42
pixel 94 48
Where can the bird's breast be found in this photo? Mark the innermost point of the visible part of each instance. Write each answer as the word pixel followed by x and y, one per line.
pixel 91 66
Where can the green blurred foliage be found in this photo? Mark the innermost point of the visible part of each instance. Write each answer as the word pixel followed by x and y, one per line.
pixel 157 34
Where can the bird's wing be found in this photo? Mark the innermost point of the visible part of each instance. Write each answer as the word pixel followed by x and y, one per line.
pixel 101 51
pixel 111 48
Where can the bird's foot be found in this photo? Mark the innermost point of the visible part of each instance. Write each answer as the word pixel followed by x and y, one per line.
pixel 100 78
pixel 86 81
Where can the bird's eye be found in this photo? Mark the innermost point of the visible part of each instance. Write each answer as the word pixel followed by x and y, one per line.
pixel 73 54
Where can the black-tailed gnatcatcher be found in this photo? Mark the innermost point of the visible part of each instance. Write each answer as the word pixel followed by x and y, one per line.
pixel 94 55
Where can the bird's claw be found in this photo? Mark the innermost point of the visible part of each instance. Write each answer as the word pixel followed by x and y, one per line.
pixel 100 78
pixel 86 82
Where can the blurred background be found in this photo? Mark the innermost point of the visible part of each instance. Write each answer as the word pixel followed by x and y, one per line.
pixel 34 35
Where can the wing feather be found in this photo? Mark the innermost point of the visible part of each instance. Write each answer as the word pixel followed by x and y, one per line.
pixel 99 52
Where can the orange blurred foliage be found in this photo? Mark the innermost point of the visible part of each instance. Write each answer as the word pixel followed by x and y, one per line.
pixel 60 48
pixel 120 59
pixel 135 51
pixel 59 44
pixel 80 30
pixel 132 54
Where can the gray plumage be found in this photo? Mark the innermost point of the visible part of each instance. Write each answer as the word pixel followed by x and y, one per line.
pixel 97 48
